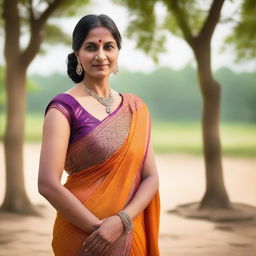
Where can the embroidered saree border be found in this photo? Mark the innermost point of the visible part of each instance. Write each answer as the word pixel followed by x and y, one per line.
pixel 101 143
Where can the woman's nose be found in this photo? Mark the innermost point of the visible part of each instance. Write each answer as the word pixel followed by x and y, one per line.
pixel 101 55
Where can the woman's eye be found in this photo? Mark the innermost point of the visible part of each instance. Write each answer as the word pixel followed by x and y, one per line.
pixel 108 46
pixel 90 47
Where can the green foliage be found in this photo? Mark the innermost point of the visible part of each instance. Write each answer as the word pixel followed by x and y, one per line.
pixel 244 37
pixel 143 27
pixel 149 30
pixel 70 8
pixel 54 34
pixel 149 33
pixel 51 33
pixel 194 11
pixel 171 95
pixel 170 23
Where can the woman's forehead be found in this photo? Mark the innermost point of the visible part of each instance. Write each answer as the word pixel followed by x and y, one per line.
pixel 99 34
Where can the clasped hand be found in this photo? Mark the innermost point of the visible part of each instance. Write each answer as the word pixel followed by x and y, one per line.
pixel 99 241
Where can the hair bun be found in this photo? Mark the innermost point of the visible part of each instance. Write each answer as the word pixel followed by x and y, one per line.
pixel 71 68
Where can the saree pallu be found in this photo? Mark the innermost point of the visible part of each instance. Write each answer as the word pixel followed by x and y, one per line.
pixel 105 169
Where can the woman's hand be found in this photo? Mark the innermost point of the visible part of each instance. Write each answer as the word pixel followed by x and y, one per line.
pixel 101 239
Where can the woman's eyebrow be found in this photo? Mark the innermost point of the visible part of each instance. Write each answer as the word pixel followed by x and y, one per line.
pixel 108 42
pixel 89 43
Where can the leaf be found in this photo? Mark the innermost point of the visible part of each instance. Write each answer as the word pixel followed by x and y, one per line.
pixel 243 37
pixel 149 33
pixel 53 34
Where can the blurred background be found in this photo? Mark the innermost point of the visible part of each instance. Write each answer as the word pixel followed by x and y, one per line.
pixel 156 63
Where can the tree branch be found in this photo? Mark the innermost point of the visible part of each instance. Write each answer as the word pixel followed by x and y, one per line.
pixel 47 13
pixel 211 21
pixel 36 27
pixel 12 29
pixel 181 20
pixel 31 11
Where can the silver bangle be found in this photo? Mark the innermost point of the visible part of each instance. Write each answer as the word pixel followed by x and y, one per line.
pixel 127 221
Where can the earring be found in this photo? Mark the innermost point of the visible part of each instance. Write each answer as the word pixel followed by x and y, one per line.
pixel 116 69
pixel 79 69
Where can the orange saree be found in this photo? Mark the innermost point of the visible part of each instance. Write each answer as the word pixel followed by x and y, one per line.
pixel 105 172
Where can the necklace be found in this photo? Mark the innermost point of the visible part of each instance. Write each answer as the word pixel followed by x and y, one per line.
pixel 107 102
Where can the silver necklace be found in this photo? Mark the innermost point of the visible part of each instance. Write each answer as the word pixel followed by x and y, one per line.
pixel 107 102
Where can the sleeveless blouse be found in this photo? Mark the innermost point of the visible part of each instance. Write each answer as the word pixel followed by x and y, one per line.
pixel 80 120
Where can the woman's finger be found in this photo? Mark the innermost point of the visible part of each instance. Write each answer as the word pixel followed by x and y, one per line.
pixel 93 246
pixel 101 250
pixel 97 248
pixel 90 238
pixel 104 251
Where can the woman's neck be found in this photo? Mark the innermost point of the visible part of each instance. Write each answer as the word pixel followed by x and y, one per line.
pixel 99 86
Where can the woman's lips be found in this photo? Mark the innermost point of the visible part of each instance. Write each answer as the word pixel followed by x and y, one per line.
pixel 100 66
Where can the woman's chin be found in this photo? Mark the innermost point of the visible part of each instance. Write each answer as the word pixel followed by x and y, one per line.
pixel 100 74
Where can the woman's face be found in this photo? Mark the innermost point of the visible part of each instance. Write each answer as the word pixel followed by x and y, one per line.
pixel 98 53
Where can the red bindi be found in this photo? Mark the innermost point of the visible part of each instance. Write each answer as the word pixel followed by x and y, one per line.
pixel 99 41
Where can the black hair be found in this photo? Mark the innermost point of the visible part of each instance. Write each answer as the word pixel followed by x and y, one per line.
pixel 81 30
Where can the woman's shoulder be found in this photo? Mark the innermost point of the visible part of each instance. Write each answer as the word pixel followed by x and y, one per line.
pixel 132 97
pixel 62 102
pixel 134 100
pixel 61 97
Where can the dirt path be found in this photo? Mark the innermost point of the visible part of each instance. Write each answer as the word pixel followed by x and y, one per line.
pixel 181 181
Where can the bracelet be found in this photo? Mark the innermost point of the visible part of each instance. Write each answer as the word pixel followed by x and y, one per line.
pixel 127 221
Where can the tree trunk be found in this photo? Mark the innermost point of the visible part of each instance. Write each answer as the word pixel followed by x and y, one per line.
pixel 215 195
pixel 17 62
pixel 16 199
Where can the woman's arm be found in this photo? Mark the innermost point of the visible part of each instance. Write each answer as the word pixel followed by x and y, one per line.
pixel 148 187
pixel 56 133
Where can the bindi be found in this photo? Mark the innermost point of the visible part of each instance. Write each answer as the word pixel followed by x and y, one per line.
pixel 99 41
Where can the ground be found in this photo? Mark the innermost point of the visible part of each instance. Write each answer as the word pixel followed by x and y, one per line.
pixel 181 181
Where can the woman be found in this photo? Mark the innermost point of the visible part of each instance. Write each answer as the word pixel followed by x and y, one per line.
pixel 110 203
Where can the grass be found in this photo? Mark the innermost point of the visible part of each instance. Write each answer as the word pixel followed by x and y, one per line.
pixel 238 139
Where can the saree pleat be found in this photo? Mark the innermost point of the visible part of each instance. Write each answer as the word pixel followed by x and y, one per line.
pixel 107 187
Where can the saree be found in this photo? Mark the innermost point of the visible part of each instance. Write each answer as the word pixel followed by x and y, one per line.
pixel 105 167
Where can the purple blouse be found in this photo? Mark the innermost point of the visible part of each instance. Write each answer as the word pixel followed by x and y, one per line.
pixel 81 122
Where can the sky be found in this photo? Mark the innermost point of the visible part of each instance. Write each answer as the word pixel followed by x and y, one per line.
pixel 177 56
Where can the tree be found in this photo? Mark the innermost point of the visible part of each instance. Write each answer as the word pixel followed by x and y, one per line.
pixel 2 96
pixel 30 17
pixel 30 87
pixel 196 24
pixel 243 37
